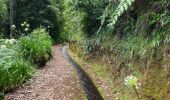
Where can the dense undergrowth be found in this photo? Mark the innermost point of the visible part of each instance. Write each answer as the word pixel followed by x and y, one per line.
pixel 131 38
pixel 18 58
pixel 37 46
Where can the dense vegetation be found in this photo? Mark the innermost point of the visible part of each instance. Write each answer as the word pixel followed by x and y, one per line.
pixel 18 58
pixel 131 37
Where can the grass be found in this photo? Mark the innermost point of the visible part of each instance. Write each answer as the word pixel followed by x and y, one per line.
pixel 131 55
pixel 101 71
pixel 14 74
pixel 95 70
pixel 116 86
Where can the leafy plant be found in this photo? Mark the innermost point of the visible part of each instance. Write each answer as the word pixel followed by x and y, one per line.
pixel 122 7
pixel 14 69
pixel 37 46
pixel 15 57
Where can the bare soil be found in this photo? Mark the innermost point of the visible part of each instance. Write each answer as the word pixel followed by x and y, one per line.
pixel 56 81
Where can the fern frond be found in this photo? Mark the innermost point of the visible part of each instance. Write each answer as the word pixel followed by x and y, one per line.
pixel 123 6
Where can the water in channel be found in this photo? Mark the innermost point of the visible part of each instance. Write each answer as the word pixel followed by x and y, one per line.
pixel 89 88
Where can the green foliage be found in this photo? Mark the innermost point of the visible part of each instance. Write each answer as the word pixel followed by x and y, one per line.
pixel 3 16
pixel 3 9
pixel 37 46
pixel 35 12
pixel 93 9
pixel 32 11
pixel 72 22
pixel 129 31
pixel 54 15
pixel 138 32
pixel 101 14
pixel 16 57
pixel 14 70
pixel 122 7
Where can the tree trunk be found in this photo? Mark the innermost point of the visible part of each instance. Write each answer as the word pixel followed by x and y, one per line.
pixel 11 18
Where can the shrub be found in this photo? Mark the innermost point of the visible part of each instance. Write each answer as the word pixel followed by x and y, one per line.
pixel 37 46
pixel 14 70
pixel 16 57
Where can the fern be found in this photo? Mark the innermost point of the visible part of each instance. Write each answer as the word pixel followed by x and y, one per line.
pixel 123 6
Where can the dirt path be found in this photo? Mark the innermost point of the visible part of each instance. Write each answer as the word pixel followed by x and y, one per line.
pixel 56 81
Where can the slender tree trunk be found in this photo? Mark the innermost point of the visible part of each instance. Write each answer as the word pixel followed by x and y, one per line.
pixel 11 18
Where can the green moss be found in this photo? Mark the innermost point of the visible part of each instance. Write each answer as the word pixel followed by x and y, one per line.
pixel 155 84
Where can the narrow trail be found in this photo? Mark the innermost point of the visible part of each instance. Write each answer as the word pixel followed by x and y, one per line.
pixel 56 81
